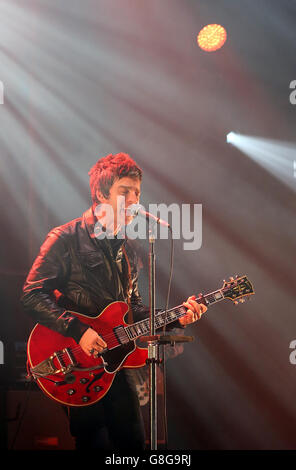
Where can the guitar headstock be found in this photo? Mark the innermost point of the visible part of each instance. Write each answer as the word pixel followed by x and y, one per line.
pixel 237 289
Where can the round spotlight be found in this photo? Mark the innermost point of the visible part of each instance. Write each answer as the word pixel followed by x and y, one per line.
pixel 230 137
pixel 211 37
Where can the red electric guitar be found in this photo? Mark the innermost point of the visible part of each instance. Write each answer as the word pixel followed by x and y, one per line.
pixel 66 374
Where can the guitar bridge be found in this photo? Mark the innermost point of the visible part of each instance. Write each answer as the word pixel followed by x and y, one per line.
pixel 47 367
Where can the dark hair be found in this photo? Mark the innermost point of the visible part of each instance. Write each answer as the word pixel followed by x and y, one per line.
pixel 103 174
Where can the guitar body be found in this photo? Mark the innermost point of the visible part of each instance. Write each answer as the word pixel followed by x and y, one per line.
pixel 71 377
pixel 66 374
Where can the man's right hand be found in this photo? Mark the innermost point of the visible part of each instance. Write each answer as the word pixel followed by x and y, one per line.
pixel 91 343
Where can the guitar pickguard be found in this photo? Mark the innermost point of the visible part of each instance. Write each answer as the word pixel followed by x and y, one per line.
pixel 115 357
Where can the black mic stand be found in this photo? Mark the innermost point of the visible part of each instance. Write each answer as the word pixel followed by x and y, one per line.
pixel 153 353
pixel 154 342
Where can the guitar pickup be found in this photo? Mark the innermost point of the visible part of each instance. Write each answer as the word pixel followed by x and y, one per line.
pixel 121 335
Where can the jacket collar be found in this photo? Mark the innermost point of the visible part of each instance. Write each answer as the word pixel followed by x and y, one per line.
pixel 95 230
pixel 89 221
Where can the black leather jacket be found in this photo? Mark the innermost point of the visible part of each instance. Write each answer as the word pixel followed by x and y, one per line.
pixel 76 271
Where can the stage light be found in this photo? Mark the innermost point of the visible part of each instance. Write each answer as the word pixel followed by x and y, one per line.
pixel 277 157
pixel 230 137
pixel 211 37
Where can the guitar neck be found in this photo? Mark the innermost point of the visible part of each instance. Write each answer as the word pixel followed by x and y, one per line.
pixel 141 328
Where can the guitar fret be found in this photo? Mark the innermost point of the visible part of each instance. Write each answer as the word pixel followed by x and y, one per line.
pixel 158 321
pixel 210 298
pixel 132 329
pixel 145 327
pixel 141 327
pixel 161 318
pixel 214 297
pixel 138 329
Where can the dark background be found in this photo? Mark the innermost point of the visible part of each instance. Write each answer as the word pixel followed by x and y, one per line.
pixel 85 79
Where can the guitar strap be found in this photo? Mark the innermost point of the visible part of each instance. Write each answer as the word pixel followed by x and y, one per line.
pixel 130 287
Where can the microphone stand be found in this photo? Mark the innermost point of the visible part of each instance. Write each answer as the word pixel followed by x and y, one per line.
pixel 153 353
pixel 154 341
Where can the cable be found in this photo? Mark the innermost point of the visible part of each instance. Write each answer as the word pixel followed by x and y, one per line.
pixel 164 330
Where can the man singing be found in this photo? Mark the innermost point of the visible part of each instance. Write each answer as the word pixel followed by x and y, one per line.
pixel 84 266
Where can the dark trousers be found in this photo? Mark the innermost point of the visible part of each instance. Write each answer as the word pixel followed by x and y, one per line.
pixel 115 422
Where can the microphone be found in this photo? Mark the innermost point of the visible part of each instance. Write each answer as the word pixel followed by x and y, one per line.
pixel 137 209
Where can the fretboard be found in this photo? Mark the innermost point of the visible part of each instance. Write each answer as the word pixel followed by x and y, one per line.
pixel 162 318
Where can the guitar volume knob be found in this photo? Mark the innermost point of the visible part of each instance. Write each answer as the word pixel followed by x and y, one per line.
pixel 70 378
pixel 84 380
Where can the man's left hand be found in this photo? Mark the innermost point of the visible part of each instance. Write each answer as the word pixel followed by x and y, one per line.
pixel 194 312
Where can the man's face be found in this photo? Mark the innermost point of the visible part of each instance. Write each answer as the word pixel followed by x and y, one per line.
pixel 123 193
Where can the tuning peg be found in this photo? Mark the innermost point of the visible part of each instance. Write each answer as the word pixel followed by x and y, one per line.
pixel 235 302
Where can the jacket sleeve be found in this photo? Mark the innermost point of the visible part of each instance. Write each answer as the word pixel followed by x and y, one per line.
pixel 140 311
pixel 49 272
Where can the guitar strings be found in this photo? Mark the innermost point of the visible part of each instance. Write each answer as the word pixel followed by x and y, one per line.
pixel 114 341
pixel 111 338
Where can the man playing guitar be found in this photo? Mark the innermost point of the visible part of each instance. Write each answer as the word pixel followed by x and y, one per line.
pixel 84 266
